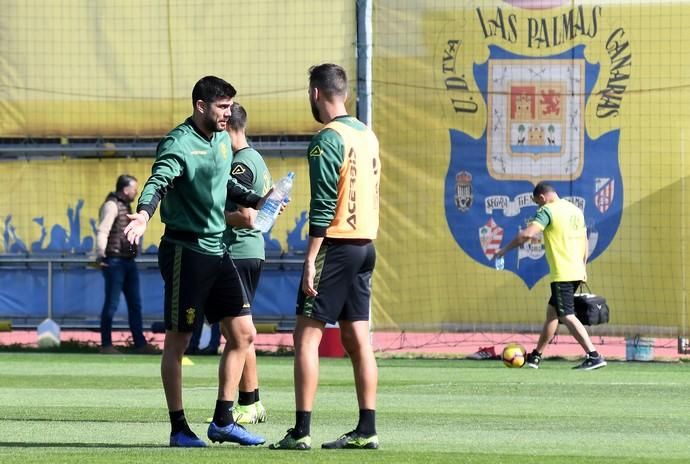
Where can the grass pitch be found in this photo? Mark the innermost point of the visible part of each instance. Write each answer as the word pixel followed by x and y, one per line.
pixel 89 408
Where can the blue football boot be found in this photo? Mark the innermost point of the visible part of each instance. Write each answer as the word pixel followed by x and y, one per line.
pixel 234 433
pixel 182 440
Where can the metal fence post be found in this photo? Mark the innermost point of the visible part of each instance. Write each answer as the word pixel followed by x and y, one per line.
pixel 50 289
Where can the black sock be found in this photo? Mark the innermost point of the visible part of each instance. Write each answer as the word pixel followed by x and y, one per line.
pixel 593 354
pixel 178 423
pixel 246 398
pixel 367 422
pixel 536 353
pixel 222 416
pixel 302 424
pixel 256 395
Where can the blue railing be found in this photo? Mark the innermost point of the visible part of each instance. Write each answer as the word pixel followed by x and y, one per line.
pixel 68 290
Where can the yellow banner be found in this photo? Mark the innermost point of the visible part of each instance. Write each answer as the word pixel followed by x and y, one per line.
pixel 476 102
pixel 52 206
pixel 125 68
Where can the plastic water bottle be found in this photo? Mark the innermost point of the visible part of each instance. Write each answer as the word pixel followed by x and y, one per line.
pixel 269 212
pixel 48 334
pixel 500 264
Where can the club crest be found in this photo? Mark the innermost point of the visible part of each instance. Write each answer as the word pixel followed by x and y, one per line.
pixel 533 105
pixel 535 131
pixel 190 314
pixel 463 191
pixel 603 197
pixel 490 237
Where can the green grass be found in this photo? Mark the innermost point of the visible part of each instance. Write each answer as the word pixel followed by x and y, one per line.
pixel 73 408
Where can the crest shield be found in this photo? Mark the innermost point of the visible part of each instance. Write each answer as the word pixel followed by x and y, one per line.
pixel 535 131
pixel 463 191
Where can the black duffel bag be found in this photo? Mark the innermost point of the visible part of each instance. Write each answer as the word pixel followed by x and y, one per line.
pixel 591 309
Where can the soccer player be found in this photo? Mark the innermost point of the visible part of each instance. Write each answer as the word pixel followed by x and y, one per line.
pixel 190 177
pixel 565 239
pixel 246 246
pixel 344 170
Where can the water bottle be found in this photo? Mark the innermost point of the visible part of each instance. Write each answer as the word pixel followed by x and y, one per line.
pixel 269 212
pixel 48 334
pixel 500 264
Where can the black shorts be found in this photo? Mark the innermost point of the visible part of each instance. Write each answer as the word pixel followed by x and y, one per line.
pixel 249 270
pixel 197 284
pixel 343 281
pixel 563 297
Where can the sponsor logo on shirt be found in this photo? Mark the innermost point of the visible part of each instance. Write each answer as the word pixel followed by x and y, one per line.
pixel 352 198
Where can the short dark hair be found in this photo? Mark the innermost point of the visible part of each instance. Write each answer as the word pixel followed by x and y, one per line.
pixel 238 117
pixel 212 88
pixel 542 188
pixel 329 78
pixel 123 181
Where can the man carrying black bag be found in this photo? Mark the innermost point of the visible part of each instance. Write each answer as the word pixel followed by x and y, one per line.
pixel 565 240
pixel 591 309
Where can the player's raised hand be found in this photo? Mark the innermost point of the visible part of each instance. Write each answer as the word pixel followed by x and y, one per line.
pixel 137 226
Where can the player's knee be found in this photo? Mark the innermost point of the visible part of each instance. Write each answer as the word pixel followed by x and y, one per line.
pixel 251 335
pixel 351 343
pixel 569 320
pixel 246 334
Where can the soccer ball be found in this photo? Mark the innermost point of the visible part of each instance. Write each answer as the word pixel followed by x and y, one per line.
pixel 514 355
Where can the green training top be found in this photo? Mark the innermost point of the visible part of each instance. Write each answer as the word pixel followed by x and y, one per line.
pixel 250 171
pixel 190 179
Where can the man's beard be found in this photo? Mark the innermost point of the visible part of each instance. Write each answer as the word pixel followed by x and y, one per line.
pixel 315 111
pixel 210 124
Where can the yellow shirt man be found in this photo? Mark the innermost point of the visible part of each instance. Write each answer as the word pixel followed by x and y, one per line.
pixel 565 238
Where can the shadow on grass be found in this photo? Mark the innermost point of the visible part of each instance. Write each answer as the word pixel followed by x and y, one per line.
pixel 14 444
pixel 66 346
pixel 80 420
